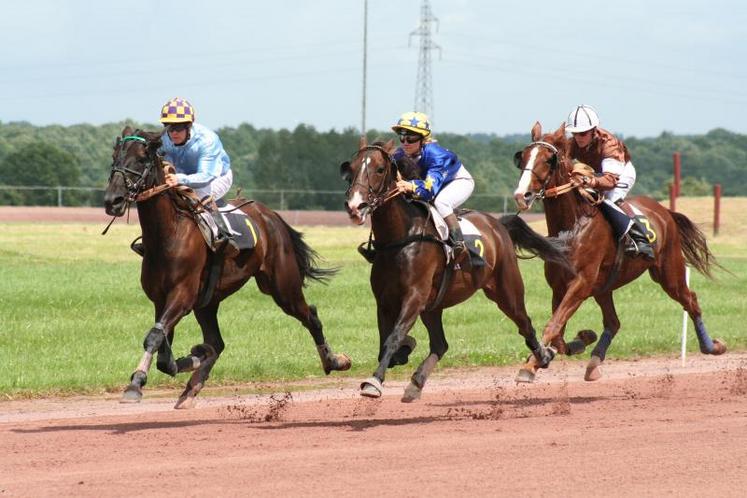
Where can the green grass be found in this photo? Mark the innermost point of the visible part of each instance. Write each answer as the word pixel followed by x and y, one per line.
pixel 73 315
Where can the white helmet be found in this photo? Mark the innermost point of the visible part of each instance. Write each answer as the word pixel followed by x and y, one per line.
pixel 581 119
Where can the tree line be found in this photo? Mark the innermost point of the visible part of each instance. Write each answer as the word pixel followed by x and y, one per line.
pixel 304 159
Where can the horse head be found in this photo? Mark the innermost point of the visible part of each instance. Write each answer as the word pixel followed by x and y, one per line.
pixel 542 164
pixel 134 169
pixel 371 174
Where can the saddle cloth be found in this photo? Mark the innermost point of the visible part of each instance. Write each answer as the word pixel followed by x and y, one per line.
pixel 243 228
pixel 472 237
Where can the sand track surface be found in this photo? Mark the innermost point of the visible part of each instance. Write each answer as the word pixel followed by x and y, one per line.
pixel 649 428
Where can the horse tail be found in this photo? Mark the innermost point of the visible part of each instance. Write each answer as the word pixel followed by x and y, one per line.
pixel 550 249
pixel 306 258
pixel 694 246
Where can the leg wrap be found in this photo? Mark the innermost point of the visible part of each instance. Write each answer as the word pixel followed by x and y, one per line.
pixel 706 344
pixel 155 338
pixel 604 342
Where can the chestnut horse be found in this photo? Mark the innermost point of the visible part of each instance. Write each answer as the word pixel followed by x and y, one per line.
pixel 175 267
pixel 600 268
pixel 410 266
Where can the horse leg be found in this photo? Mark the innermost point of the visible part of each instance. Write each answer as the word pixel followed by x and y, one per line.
pixel 286 291
pixel 385 320
pixel 133 393
pixel 577 292
pixel 508 295
pixel 611 325
pixel 411 307
pixel 438 347
pixel 202 357
pixel 168 314
pixel 674 284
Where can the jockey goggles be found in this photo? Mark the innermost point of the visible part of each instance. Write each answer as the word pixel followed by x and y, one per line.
pixel 409 138
pixel 176 127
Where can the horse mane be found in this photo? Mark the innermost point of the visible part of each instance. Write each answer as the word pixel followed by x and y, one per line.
pixel 408 168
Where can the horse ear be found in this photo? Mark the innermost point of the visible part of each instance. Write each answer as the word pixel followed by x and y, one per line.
pixel 536 131
pixel 560 133
pixel 127 131
pixel 363 142
pixel 389 146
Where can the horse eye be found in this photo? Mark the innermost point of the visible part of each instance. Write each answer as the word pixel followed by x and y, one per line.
pixel 517 159
pixel 380 169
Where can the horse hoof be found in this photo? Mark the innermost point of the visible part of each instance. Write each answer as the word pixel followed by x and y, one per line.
pixel 371 388
pixel 185 403
pixel 132 394
pixel 525 376
pixel 719 347
pixel 342 362
pixel 593 369
pixel 412 393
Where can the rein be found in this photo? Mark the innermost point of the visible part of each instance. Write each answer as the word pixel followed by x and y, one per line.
pixel 559 190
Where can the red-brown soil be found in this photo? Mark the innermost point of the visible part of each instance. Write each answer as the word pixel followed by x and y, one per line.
pixel 648 428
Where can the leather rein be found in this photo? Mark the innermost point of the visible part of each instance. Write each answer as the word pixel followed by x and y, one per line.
pixel 564 188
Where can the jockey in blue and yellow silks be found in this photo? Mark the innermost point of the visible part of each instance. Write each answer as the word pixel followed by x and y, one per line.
pixel 444 179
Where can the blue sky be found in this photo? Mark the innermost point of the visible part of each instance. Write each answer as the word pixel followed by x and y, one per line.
pixel 647 66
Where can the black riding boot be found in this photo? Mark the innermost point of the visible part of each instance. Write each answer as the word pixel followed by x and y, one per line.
pixel 456 238
pixel 628 229
pixel 637 243
pixel 225 237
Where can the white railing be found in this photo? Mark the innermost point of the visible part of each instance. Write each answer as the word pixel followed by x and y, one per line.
pixel 281 199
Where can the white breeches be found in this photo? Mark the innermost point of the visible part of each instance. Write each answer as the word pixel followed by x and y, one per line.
pixel 454 193
pixel 217 188
pixel 625 183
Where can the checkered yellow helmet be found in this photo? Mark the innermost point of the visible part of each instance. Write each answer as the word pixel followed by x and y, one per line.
pixel 416 122
pixel 177 110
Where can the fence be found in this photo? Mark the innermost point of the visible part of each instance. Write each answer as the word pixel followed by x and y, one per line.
pixel 282 199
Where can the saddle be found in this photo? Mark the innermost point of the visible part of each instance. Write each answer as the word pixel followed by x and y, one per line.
pixel 472 237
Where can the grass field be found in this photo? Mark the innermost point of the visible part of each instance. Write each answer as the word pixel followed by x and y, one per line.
pixel 73 315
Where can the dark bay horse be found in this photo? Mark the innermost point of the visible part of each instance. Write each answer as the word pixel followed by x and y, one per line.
pixel 410 265
pixel 599 266
pixel 174 267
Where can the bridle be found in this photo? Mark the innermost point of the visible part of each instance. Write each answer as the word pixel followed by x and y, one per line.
pixel 136 188
pixel 555 162
pixel 382 194
pixel 553 165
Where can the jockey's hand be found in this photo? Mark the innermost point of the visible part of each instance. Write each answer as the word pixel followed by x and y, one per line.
pixel 405 187
pixel 171 180
pixel 581 179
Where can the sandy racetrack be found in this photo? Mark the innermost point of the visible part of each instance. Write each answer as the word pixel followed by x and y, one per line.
pixel 648 428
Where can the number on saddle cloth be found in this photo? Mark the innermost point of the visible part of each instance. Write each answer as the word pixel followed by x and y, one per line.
pixel 473 239
pixel 647 227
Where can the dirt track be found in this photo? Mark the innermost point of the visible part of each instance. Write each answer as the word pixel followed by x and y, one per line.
pixel 649 428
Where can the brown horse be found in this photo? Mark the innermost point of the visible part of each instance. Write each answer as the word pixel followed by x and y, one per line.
pixel 596 255
pixel 176 260
pixel 410 276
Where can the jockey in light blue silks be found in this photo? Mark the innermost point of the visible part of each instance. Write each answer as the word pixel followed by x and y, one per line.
pixel 444 180
pixel 197 154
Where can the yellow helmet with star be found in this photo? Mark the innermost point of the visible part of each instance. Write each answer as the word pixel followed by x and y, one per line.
pixel 177 110
pixel 416 122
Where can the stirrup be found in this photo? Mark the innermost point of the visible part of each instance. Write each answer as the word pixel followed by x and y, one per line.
pixel 634 248
pixel 459 252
